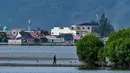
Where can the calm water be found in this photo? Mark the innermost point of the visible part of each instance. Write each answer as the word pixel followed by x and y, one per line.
pixel 39 51
pixel 54 70
pixel 48 52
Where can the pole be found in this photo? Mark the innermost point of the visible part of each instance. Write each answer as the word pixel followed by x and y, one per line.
pixel 29 24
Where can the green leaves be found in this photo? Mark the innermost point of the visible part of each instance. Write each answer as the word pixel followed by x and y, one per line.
pixel 118 46
pixel 91 50
pixel 87 49
pixel 2 35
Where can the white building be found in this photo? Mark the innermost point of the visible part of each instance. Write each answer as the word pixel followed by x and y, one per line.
pixel 64 30
pixel 84 29
pixel 19 42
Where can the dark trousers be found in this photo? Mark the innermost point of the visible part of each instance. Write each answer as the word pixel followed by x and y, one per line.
pixel 54 62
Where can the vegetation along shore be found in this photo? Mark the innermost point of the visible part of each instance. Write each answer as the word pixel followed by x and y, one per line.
pixel 114 52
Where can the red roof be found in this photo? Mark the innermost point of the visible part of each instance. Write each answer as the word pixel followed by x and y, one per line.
pixel 34 34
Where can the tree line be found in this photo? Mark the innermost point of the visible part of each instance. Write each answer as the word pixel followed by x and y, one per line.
pixel 92 51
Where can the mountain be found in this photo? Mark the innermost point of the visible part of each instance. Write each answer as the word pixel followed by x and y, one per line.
pixel 49 13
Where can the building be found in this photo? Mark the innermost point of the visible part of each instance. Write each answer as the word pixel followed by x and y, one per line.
pixel 59 30
pixel 76 39
pixel 84 29
pixel 45 32
pixel 15 31
pixel 68 38
pixel 34 34
pixel 5 29
pixel 26 37
pixel 11 42
pixel 54 39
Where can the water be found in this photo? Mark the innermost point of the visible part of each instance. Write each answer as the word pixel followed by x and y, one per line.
pixel 39 52
pixel 47 52
pixel 55 70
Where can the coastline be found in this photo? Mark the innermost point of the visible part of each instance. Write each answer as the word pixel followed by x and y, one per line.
pixel 34 58
pixel 41 44
pixel 38 65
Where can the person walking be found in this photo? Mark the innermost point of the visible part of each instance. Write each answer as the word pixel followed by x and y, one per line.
pixel 54 60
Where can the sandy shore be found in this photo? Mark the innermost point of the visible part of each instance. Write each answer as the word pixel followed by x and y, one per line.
pixel 38 65
pixel 34 58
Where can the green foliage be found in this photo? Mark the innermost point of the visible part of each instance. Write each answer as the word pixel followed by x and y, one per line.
pixel 2 35
pixel 118 46
pixel 125 33
pixel 105 28
pixel 87 49
pixel 91 50
pixel 102 55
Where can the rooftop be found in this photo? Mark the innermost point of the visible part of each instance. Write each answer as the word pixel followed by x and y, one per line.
pixel 87 24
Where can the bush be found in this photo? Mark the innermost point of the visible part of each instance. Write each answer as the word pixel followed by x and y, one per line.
pixel 87 49
pixel 118 46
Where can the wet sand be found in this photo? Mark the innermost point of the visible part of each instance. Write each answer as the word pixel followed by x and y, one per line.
pixel 38 65
pixel 38 56
pixel 34 58
pixel 38 61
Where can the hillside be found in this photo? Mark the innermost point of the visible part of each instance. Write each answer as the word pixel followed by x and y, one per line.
pixel 49 13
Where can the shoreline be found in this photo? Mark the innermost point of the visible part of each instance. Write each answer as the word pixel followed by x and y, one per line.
pixel 34 58
pixel 38 65
pixel 41 44
pixel 81 67
pixel 51 65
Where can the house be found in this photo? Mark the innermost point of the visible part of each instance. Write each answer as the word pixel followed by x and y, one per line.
pixel 67 37
pixel 54 39
pixel 15 31
pixel 26 37
pixel 43 39
pixel 45 32
pixel 13 41
pixel 84 29
pixel 59 30
pixel 41 32
pixel 10 37
pixel 34 34
pixel 76 39
pixel 38 31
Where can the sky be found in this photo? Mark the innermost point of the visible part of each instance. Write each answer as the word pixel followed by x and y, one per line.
pixel 46 14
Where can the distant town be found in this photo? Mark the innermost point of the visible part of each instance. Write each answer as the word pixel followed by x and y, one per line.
pixel 57 35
